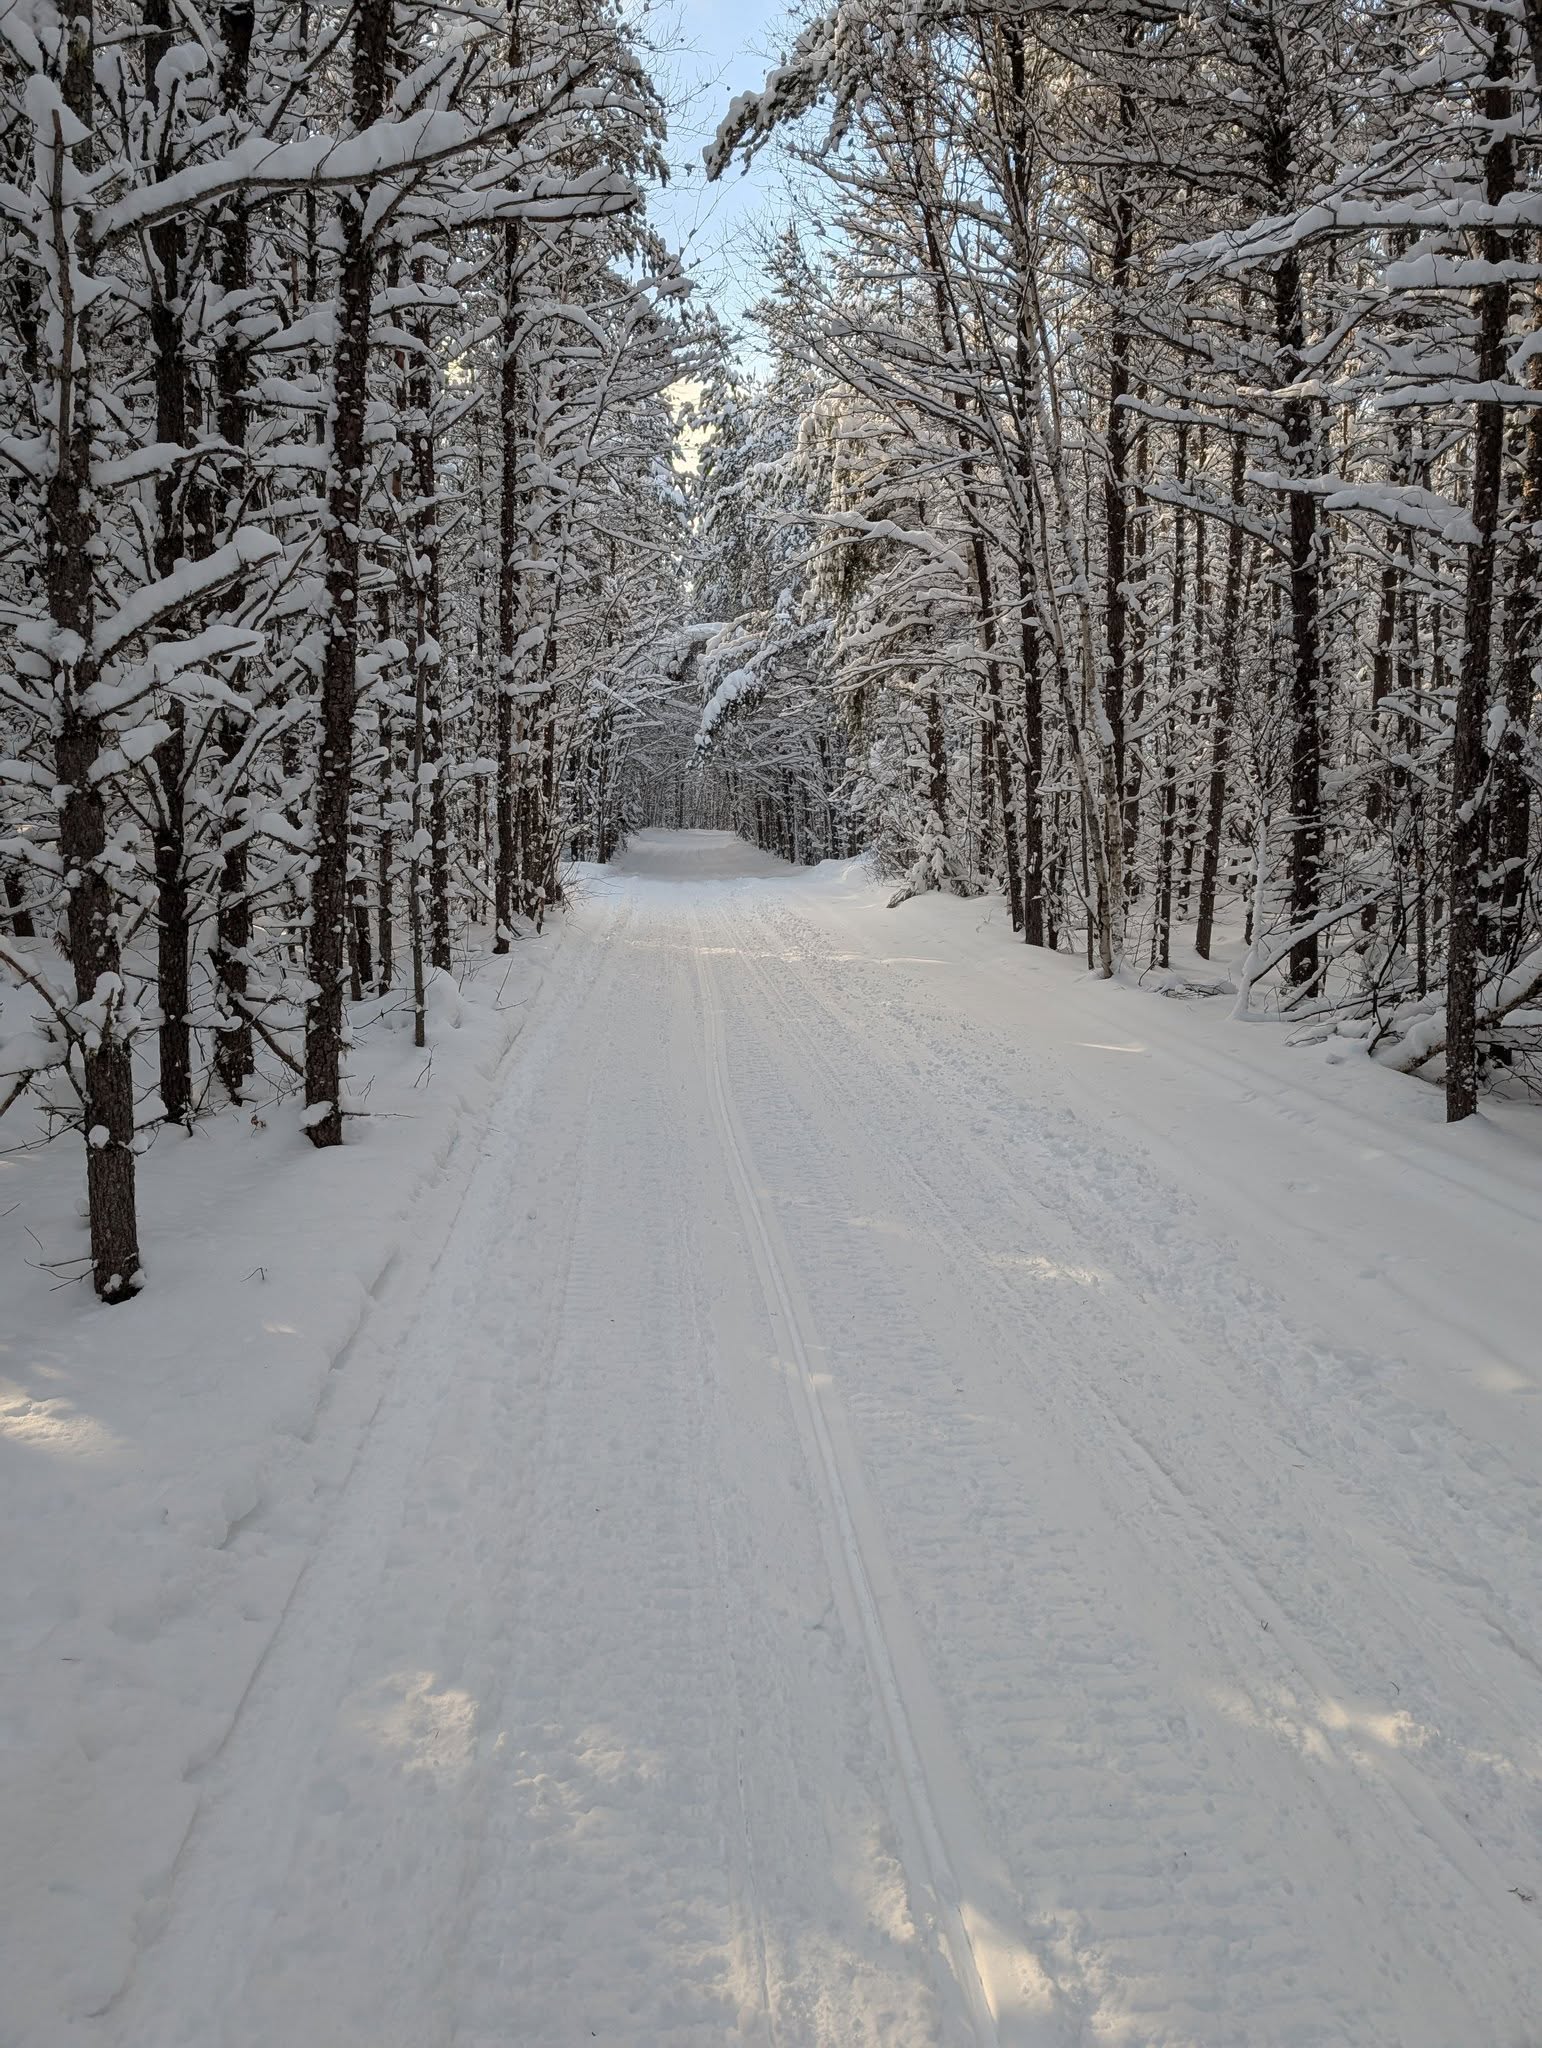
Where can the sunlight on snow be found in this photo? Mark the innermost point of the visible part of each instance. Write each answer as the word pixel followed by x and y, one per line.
pixel 1018 1988
pixel 1309 1736
pixel 884 1225
pixel 1499 1376
pixel 1302 1736
pixel 430 1727
pixel 1046 1269
pixel 1393 1731
pixel 789 959
pixel 52 1426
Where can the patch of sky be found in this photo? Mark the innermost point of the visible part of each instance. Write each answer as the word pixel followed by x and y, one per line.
pixel 702 53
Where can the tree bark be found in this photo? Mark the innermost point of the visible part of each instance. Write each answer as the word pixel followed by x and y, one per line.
pixel 1492 308
pixel 345 486
pixel 234 1060
pixel 171 374
pixel 506 850
pixel 1229 676
pixel 69 535
pixel 1304 574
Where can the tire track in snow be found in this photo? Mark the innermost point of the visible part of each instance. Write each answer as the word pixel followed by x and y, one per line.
pixel 1436 1610
pixel 949 1860
pixel 1415 1810
pixel 1134 1233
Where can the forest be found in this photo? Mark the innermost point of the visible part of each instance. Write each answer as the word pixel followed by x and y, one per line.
pixel 1154 469
pixel 770 1023
pixel 1132 506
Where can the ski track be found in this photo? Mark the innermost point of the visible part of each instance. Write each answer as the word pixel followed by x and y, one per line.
pixel 845 1557
pixel 1107 1382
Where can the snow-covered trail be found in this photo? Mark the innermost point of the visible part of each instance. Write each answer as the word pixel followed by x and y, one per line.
pixel 854 1551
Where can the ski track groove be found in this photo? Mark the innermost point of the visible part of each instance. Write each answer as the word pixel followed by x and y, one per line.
pixel 225 1882
pixel 836 1559
pixel 629 1469
pixel 983 1990
pixel 1483 1535
pixel 1275 1642
pixel 1472 1534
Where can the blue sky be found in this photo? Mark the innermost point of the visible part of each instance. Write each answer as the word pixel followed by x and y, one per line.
pixel 707 52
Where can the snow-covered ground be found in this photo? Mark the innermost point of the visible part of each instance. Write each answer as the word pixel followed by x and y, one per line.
pixel 892 1494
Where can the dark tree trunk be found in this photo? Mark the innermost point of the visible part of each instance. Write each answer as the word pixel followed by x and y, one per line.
pixel 1230 671
pixel 1492 308
pixel 506 855
pixel 1512 835
pixel 16 905
pixel 173 929
pixel 1523 626
pixel 431 693
pixel 233 1053
pixel 169 355
pixel 385 861
pixel 1306 831
pixel 1116 463
pixel 361 966
pixel 999 755
pixel 1138 541
pixel 936 762
pixel 69 534
pixel 1199 703
pixel 1025 364
pixel 995 755
pixel 1177 680
pixel 345 484
pixel 1298 437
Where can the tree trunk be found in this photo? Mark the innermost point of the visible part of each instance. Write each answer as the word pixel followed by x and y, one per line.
pixel 1523 623
pixel 506 849
pixel 16 905
pixel 1116 444
pixel 385 860
pixel 1492 308
pixel 170 369
pixel 1305 572
pixel 1177 681
pixel 345 485
pixel 69 535
pixel 234 1062
pixel 1230 672
pixel 173 929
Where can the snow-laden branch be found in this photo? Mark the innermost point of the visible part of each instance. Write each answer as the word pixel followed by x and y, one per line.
pixel 1426 1036
pixel 1263 957
pixel 1277 235
pixel 737 689
pixel 390 148
pixel 1398 504
pixel 855 527
pixel 248 548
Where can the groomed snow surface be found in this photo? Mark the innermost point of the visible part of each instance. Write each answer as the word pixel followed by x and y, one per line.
pixel 847 1485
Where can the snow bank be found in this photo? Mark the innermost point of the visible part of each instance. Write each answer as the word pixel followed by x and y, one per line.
pixel 163 1469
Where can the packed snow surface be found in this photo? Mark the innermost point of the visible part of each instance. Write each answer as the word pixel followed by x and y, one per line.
pixel 894 1495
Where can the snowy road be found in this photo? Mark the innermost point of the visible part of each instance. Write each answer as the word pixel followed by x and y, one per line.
pixel 873 1538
